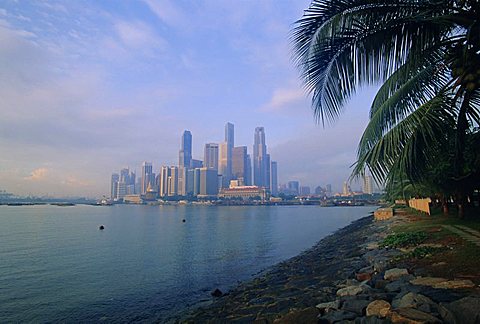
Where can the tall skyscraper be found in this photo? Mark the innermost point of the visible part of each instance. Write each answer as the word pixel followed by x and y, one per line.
pixel 267 172
pixel 273 178
pixel 293 187
pixel 146 177
pixel 114 186
pixel 367 184
pixel 248 175
pixel 185 154
pixel 259 158
pixel 211 156
pixel 164 178
pixel 208 182
pixel 173 181
pixel 240 164
pixel 230 135
pixel 223 163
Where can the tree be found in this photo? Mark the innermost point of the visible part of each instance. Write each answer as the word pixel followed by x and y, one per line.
pixel 425 54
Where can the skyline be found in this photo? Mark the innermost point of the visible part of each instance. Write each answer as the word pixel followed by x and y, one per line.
pixel 89 87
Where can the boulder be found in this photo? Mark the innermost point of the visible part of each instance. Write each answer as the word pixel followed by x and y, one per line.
pixel 217 293
pixel 379 308
pixel 326 307
pixel 349 291
pixel 412 316
pixel 442 283
pixel 417 301
pixel 355 305
pixel 395 273
pixel 465 311
pixel 336 316
pixel 307 315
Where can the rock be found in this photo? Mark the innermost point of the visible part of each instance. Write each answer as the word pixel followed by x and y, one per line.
pixel 465 311
pixel 216 293
pixel 357 306
pixel 442 283
pixel 326 307
pixel 412 316
pixel 349 291
pixel 363 276
pixel 395 273
pixel 395 286
pixel 414 300
pixel 307 315
pixel 380 308
pixel 336 316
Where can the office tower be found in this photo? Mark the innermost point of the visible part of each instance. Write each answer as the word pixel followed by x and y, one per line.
pixel 319 191
pixel 125 175
pixel 196 164
pixel 163 183
pixel 248 175
pixel 293 187
pixel 146 177
pixel 259 158
pixel 211 156
pixel 121 190
pixel 267 172
pixel 182 181
pixel 223 163
pixel 196 181
pixel 208 182
pixel 328 189
pixel 173 181
pixel 230 140
pixel 273 178
pixel 190 182
pixel 304 190
pixel 367 184
pixel 114 186
pixel 240 164
pixel 346 189
pixel 185 154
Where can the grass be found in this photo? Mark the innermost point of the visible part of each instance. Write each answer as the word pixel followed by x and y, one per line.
pixel 456 258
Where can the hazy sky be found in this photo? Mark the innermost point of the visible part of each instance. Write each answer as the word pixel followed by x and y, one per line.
pixel 88 87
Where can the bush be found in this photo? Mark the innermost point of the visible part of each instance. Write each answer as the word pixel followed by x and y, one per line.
pixel 404 239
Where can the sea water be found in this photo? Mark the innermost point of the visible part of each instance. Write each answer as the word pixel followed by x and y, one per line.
pixel 147 264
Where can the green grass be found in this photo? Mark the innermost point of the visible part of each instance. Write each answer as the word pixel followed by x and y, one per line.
pixel 404 239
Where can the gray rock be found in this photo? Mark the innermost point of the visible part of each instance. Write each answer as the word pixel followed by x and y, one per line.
pixel 326 307
pixel 395 273
pixel 357 306
pixel 395 286
pixel 417 301
pixel 409 315
pixel 349 291
pixel 336 316
pixel 464 311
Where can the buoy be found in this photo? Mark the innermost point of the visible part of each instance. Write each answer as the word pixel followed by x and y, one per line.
pixel 101 227
pixel 183 220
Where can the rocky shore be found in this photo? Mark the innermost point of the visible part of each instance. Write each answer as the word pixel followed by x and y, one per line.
pixel 345 277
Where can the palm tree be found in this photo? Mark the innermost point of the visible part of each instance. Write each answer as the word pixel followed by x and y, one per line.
pixel 425 54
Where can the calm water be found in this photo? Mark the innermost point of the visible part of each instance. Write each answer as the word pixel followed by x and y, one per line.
pixel 55 265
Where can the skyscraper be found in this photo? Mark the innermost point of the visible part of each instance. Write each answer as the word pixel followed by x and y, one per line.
pixel 211 156
pixel 267 172
pixel 173 181
pixel 146 177
pixel 273 178
pixel 223 163
pixel 259 158
pixel 293 187
pixel 185 154
pixel 226 156
pixel 164 178
pixel 230 135
pixel 208 182
pixel 114 186
pixel 240 164
pixel 367 184
pixel 248 175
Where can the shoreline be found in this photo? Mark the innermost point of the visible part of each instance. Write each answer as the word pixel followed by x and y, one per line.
pixel 342 278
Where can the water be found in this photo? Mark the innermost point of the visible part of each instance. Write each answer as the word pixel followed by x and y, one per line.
pixel 147 265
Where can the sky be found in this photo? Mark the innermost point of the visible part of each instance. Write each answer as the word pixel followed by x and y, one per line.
pixel 90 87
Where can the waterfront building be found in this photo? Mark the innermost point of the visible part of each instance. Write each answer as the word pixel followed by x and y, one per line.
pixel 319 191
pixel 240 164
pixel 146 178
pixel 163 181
pixel 223 163
pixel 346 190
pixel 259 158
pixel 182 181
pixel 328 189
pixel 274 178
pixel 190 182
pixel 243 193
pixel 133 199
pixel 367 184
pixel 248 175
pixel 173 181
pixel 208 182
pixel 211 156
pixel 196 164
pixel 185 154
pixel 304 191
pixel 293 187
pixel 121 190
pixel 267 171
pixel 230 140
pixel 196 181
pixel 114 185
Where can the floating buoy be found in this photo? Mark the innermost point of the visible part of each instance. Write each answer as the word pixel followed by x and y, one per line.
pixel 183 220
pixel 101 227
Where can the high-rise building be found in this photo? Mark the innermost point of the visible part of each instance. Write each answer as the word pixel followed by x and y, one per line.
pixel 164 178
pixel 346 191
pixel 196 164
pixel 173 181
pixel 367 184
pixel 328 189
pixel 273 178
pixel 248 175
pixel 267 172
pixel 208 182
pixel 240 164
pixel 114 186
pixel 182 181
pixel 230 135
pixel 185 154
pixel 293 187
pixel 304 190
pixel 146 177
pixel 211 156
pixel 259 158
pixel 223 163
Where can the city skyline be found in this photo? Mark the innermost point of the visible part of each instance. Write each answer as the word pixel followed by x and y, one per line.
pixel 97 86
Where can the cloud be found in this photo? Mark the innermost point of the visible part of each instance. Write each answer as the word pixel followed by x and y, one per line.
pixel 285 99
pixel 138 35
pixel 37 174
pixel 167 12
